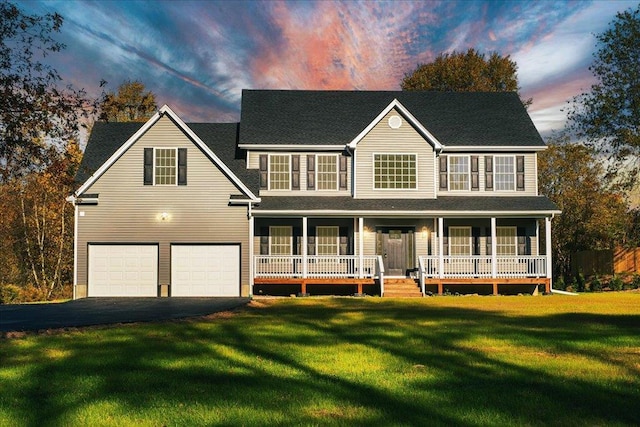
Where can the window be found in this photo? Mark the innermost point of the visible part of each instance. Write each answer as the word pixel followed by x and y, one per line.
pixel 279 172
pixel 165 166
pixel 327 171
pixel 504 173
pixel 280 240
pixel 394 171
pixel 459 241
pixel 327 241
pixel 458 173
pixel 506 241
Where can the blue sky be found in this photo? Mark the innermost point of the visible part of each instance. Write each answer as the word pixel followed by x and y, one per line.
pixel 198 56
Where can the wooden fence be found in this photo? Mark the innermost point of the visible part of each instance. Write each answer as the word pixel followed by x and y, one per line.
pixel 613 261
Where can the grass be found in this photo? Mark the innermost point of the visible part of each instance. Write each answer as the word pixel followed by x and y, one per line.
pixel 548 360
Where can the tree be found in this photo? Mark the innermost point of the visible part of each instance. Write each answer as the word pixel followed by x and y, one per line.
pixel 130 104
pixel 593 217
pixel 34 111
pixel 608 117
pixel 465 72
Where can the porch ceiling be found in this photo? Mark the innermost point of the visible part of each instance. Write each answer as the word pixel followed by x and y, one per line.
pixel 460 206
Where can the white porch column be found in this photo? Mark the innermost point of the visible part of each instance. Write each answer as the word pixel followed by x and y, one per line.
pixel 547 223
pixel 304 247
pixel 494 249
pixel 441 247
pixel 361 247
pixel 251 256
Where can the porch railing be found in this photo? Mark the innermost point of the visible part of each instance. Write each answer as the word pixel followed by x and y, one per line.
pixel 320 266
pixel 481 266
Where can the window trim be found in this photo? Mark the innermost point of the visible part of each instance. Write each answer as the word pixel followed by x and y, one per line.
pixel 269 172
pixel 468 174
pixel 515 175
pixel 416 169
pixel 337 173
pixel 470 240
pixel 515 241
pixel 175 152
pixel 290 233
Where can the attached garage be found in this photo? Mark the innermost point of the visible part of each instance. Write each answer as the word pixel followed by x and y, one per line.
pixel 123 271
pixel 205 270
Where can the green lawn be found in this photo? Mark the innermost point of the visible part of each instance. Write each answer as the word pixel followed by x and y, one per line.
pixel 546 360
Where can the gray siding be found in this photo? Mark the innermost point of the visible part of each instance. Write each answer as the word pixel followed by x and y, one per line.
pixel 129 212
pixel 383 139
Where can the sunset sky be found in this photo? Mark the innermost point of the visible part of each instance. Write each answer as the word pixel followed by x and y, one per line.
pixel 198 56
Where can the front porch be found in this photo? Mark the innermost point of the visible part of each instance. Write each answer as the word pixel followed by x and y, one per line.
pixel 366 251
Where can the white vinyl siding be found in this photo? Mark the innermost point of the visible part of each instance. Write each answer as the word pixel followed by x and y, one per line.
pixel 279 172
pixel 460 241
pixel 506 241
pixel 165 162
pixel 459 173
pixel 327 240
pixel 394 171
pixel 326 172
pixel 280 240
pixel 504 175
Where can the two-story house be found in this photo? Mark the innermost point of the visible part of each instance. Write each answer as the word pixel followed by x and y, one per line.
pixel 315 189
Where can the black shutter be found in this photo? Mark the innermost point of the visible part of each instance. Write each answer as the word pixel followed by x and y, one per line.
pixel 443 173
pixel 445 245
pixel 264 165
pixel 344 240
pixel 311 172
pixel 523 242
pixel 475 175
pixel 475 234
pixel 520 173
pixel 148 166
pixel 297 239
pixel 182 166
pixel 295 172
pixel 488 173
pixel 264 240
pixel 488 233
pixel 311 241
pixel 343 173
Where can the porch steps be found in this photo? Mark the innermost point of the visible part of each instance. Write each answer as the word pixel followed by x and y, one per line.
pixel 401 288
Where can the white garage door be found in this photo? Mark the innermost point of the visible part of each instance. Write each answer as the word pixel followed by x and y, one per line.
pixel 123 271
pixel 205 270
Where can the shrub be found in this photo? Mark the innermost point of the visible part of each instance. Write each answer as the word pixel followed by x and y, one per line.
pixel 635 282
pixel 560 284
pixel 596 284
pixel 616 283
pixel 9 294
pixel 581 283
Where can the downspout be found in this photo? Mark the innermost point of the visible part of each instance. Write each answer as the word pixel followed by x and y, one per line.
pixel 72 199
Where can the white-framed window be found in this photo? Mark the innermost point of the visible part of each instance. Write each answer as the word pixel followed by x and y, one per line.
pixel 165 166
pixel 504 173
pixel 327 240
pixel 460 241
pixel 280 240
pixel 459 173
pixel 279 172
pixel 506 241
pixel 394 171
pixel 326 172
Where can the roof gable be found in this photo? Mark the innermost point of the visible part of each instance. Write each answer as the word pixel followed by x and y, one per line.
pixel 336 118
pixel 109 130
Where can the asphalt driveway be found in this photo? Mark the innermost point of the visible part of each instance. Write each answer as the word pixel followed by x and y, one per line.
pixel 104 311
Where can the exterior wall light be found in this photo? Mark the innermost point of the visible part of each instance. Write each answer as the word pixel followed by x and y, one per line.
pixel 164 216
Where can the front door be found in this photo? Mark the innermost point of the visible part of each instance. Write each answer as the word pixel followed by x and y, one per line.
pixel 396 245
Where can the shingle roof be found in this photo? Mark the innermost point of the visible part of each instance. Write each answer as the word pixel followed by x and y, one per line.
pixel 474 204
pixel 337 117
pixel 221 138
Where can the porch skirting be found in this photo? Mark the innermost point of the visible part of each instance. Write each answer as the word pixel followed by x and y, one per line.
pixel 494 282
pixel 303 282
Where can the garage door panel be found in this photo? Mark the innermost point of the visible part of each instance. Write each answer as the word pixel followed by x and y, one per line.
pixel 205 270
pixel 123 270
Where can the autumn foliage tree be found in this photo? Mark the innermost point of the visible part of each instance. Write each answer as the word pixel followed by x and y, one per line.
pixel 39 123
pixel 131 103
pixel 467 71
pixel 593 216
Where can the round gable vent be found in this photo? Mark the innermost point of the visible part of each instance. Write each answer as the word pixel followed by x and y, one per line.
pixel 395 122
